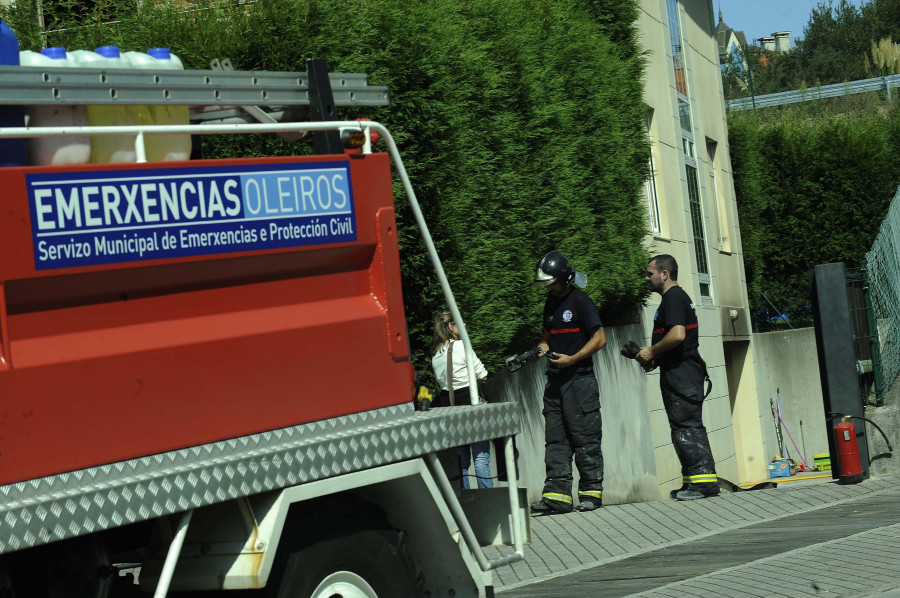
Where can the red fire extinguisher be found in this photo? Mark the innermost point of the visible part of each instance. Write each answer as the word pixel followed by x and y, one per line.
pixel 849 468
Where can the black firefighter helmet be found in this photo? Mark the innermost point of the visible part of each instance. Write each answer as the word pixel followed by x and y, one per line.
pixel 554 266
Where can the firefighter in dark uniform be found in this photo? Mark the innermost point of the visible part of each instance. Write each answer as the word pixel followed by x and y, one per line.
pixel 675 349
pixel 572 334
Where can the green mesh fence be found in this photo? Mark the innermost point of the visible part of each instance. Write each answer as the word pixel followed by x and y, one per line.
pixel 883 268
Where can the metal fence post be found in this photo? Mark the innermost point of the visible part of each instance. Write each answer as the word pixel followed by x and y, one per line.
pixel 873 341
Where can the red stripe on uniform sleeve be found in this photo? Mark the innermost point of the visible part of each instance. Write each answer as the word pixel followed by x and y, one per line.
pixel 565 330
pixel 658 330
pixel 691 326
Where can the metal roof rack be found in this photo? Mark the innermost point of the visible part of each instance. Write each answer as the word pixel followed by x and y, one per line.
pixel 219 95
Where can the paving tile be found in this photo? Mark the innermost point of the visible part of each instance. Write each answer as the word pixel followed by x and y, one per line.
pixel 729 586
pixel 651 536
pixel 721 515
pixel 708 520
pixel 680 527
pixel 775 579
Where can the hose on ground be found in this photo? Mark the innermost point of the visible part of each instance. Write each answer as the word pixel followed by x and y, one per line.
pixel 832 415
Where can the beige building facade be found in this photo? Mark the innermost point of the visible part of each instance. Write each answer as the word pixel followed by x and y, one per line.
pixel 693 216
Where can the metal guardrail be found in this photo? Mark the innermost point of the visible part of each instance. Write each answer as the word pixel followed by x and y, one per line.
pixel 815 93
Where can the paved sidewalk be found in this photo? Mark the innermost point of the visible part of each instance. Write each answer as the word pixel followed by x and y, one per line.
pixel 805 538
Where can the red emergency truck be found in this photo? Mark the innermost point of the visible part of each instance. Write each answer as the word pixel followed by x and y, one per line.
pixel 205 380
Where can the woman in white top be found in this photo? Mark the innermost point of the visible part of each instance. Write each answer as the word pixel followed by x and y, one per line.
pixel 446 336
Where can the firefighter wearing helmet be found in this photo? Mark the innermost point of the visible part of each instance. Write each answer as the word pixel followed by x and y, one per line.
pixel 572 333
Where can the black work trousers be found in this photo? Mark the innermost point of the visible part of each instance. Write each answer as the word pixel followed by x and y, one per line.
pixel 573 427
pixel 682 393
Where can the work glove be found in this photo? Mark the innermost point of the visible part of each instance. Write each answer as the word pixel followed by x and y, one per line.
pixel 630 350
pixel 424 398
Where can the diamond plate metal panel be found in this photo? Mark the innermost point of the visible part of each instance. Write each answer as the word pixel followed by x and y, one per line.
pixel 90 500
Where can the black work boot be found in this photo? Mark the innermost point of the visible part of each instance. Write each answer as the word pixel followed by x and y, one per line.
pixel 696 492
pixel 543 507
pixel 589 504
pixel 675 492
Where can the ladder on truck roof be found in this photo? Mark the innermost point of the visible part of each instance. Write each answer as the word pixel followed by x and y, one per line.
pixel 220 95
pixel 180 481
pixel 219 86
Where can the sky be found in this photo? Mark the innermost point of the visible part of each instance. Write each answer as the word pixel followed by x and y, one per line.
pixel 759 18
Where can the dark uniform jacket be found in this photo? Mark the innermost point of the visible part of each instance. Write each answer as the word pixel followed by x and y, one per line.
pixel 571 320
pixel 682 367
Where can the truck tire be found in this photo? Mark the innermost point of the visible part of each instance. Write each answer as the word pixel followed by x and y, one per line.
pixel 342 546
pixel 369 563
pixel 77 568
pixel 6 590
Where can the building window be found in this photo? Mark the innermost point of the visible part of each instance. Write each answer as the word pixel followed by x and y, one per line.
pixel 677 53
pixel 722 225
pixel 652 198
pixel 687 146
pixel 684 114
pixel 697 226
pixel 678 64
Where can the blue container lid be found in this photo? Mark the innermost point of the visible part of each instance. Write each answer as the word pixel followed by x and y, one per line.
pixel 108 51
pixel 9 45
pixel 159 53
pixel 56 53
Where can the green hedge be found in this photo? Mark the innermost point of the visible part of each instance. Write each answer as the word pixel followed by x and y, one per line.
pixel 813 183
pixel 520 123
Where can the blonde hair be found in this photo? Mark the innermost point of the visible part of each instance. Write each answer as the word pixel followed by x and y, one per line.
pixel 442 334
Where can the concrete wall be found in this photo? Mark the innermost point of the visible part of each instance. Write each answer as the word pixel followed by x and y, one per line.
pixel 787 361
pixel 750 456
pixel 887 417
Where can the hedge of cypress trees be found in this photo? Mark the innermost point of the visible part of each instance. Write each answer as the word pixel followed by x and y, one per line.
pixel 520 123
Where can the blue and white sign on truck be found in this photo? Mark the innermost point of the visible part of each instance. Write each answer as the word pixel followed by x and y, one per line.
pixel 103 217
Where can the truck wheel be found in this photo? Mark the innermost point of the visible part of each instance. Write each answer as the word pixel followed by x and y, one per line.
pixel 369 563
pixel 5 581
pixel 78 568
